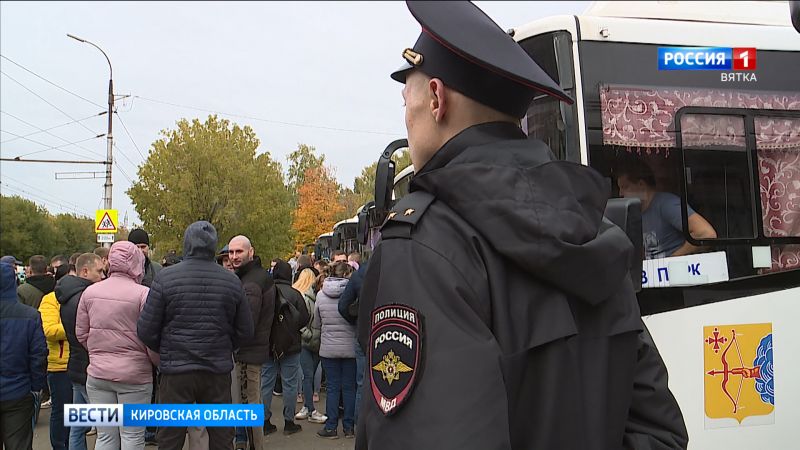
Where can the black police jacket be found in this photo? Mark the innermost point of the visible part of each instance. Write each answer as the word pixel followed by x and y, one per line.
pixel 497 311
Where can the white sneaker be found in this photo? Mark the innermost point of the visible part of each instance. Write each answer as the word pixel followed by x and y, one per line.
pixel 47 404
pixel 302 415
pixel 317 417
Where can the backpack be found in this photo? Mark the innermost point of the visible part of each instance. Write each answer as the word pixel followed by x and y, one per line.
pixel 285 325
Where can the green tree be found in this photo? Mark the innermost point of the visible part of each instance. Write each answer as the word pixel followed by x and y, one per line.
pixel 73 234
pixel 209 171
pixel 26 228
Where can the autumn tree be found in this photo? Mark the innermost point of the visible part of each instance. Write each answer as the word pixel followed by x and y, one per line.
pixel 318 205
pixel 300 161
pixel 210 171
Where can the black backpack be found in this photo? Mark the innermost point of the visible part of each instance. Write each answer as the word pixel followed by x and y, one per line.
pixel 285 326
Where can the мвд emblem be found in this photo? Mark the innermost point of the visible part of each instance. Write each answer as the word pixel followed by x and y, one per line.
pixel 394 355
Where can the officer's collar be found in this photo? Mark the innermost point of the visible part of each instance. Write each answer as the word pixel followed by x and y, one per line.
pixel 475 135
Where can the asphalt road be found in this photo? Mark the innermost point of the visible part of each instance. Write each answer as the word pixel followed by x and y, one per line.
pixel 306 439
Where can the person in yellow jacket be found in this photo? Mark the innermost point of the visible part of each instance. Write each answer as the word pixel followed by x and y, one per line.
pixel 57 357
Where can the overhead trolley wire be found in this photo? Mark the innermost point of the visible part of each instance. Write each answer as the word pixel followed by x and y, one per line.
pixel 48 81
pixel 279 122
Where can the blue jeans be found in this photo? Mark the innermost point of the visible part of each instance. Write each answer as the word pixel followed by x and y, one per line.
pixel 60 393
pixel 77 435
pixel 308 362
pixel 361 361
pixel 341 375
pixel 289 365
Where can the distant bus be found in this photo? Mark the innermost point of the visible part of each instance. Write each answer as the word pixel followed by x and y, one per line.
pixel 344 235
pixel 323 248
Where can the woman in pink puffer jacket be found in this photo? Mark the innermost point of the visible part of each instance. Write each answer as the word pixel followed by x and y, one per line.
pixel 120 365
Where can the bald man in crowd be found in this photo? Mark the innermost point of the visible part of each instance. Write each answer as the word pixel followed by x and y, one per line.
pixel 260 293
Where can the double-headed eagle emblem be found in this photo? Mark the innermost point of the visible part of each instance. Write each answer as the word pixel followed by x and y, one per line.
pixel 391 367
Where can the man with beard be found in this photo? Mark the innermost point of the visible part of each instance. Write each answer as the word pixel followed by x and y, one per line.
pixel 260 293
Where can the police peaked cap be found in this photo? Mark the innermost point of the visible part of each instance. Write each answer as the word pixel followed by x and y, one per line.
pixel 470 53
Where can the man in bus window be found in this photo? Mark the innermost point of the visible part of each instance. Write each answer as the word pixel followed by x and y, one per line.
pixel 661 213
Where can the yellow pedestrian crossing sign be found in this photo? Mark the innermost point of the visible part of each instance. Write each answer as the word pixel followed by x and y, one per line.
pixel 105 221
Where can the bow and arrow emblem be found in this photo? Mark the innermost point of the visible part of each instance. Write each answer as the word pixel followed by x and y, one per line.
pixel 727 371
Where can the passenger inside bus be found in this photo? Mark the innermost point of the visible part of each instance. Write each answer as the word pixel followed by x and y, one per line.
pixel 662 223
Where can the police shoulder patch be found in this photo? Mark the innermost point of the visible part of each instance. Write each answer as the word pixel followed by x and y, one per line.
pixel 395 355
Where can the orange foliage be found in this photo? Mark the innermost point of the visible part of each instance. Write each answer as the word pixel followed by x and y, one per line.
pixel 318 206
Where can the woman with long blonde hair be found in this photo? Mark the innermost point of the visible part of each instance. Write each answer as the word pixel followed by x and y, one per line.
pixel 309 355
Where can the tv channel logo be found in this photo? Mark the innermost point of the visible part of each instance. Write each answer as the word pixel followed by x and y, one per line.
pixel 706 58
pixel 163 415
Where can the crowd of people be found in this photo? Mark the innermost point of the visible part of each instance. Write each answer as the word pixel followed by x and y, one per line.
pixel 207 326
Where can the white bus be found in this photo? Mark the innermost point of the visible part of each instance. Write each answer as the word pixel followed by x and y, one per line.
pixel 728 144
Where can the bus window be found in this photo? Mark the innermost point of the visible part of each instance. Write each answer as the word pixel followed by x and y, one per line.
pixel 717 173
pixel 733 157
pixel 548 119
pixel 401 188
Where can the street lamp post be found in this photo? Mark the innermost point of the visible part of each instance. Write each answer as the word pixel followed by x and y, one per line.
pixel 109 136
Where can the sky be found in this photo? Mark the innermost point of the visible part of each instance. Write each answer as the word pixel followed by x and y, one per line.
pixel 315 73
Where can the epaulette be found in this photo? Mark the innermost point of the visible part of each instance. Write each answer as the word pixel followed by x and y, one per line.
pixel 405 214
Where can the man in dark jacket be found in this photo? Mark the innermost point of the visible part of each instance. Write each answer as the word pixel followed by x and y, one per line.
pixel 38 282
pixel 151 268
pixel 497 281
pixel 260 293
pixel 195 316
pixel 89 268
pixel 287 360
pixel 23 358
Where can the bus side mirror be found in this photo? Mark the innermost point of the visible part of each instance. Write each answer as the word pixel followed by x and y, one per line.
pixel 384 179
pixel 794 8
pixel 336 241
pixel 362 230
pixel 626 213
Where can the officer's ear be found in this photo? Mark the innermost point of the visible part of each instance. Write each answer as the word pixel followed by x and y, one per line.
pixel 438 99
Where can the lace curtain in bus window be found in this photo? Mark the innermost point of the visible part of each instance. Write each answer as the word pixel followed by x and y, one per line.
pixel 643 117
pixel 778 153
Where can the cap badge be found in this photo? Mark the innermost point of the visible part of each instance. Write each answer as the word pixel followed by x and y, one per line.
pixel 412 57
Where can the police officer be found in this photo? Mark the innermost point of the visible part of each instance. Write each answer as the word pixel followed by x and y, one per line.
pixel 498 311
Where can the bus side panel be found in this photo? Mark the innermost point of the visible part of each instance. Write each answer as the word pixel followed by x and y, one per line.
pixel 685 346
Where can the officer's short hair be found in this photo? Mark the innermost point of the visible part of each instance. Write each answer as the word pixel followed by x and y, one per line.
pixel 87 260
pixel 38 265
pixel 101 252
pixel 636 170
